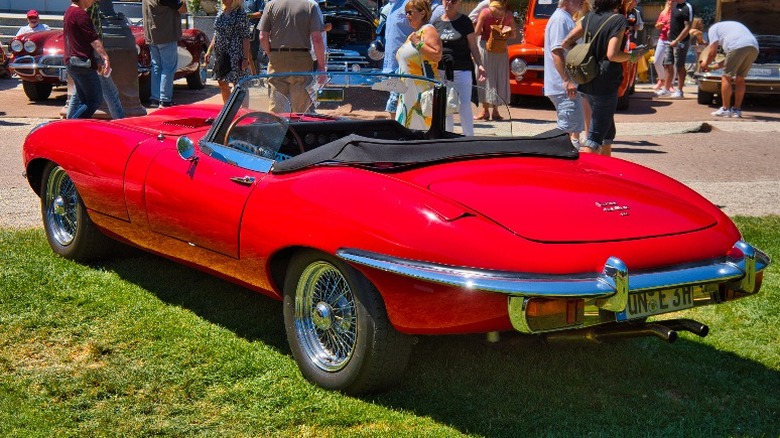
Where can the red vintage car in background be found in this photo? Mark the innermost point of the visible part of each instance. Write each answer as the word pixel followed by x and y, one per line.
pixel 526 59
pixel 37 58
pixel 371 232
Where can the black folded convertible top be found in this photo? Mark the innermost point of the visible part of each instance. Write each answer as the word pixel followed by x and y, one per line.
pixel 354 149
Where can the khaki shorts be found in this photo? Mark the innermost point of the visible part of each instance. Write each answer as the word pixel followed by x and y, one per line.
pixel 739 61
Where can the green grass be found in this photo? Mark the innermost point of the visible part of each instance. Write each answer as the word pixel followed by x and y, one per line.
pixel 142 346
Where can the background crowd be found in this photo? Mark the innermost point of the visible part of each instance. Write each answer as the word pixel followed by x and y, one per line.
pixel 426 38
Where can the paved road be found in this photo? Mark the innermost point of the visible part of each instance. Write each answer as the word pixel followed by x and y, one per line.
pixel 734 163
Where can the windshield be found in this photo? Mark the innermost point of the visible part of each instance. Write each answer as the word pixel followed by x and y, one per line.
pixel 281 116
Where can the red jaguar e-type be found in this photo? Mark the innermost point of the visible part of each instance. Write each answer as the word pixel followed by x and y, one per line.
pixel 371 231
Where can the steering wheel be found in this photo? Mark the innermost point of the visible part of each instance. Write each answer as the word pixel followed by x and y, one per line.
pixel 258 115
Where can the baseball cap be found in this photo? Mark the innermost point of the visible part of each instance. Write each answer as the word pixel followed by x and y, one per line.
pixel 32 13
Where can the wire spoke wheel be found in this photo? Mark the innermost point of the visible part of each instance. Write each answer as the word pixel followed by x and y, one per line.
pixel 325 316
pixel 337 326
pixel 61 204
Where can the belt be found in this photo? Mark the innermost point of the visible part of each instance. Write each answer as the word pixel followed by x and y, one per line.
pixel 285 49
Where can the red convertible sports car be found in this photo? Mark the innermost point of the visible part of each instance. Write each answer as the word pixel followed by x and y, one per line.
pixel 37 58
pixel 371 232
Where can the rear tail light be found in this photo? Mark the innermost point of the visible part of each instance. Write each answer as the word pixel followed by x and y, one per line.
pixel 728 293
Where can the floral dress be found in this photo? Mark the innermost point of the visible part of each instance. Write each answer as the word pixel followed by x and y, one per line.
pixel 410 61
pixel 231 28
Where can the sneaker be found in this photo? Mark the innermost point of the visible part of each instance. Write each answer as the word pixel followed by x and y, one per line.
pixel 722 112
pixel 662 93
pixel 166 104
pixel 153 103
pixel 678 94
pixel 576 143
pixel 736 113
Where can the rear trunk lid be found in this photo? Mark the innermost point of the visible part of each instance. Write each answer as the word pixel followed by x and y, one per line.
pixel 568 204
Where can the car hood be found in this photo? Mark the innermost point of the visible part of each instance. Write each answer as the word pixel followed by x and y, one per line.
pixel 175 121
pixel 566 204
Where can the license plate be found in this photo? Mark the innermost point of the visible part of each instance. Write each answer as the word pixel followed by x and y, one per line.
pixel 63 74
pixel 760 72
pixel 655 302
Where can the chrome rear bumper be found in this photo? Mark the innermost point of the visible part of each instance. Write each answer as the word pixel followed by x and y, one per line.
pixel 613 283
pixel 604 296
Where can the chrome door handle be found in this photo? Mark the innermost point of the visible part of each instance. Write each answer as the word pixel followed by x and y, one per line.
pixel 245 180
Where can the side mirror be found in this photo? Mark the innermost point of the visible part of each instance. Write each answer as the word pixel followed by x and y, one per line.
pixel 186 148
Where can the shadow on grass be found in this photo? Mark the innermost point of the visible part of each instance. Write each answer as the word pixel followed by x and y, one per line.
pixel 250 315
pixel 521 386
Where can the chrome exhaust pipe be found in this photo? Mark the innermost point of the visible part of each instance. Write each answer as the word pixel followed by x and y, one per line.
pixel 665 330
pixel 689 325
pixel 614 331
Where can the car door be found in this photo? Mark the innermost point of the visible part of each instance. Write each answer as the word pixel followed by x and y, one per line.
pixel 199 201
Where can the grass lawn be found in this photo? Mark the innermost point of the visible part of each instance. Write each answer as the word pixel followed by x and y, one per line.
pixel 140 346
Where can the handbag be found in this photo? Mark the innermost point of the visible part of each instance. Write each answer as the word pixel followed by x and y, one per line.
pixel 426 102
pixel 581 66
pixel 222 66
pixel 499 33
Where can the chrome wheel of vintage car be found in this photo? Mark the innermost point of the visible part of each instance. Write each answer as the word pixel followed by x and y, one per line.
pixel 325 318
pixel 69 230
pixel 338 328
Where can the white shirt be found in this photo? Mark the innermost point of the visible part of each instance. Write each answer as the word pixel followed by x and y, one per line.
pixel 559 25
pixel 731 35
pixel 474 14
pixel 40 27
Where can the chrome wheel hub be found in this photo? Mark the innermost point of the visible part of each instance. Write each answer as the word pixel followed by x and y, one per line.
pixel 60 206
pixel 322 316
pixel 325 316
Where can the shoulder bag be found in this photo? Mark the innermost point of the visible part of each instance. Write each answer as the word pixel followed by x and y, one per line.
pixel 496 43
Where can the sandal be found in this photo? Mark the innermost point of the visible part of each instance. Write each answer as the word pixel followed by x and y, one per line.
pixel 497 117
pixel 484 116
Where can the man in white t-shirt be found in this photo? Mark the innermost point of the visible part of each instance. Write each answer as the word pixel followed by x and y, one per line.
pixel 741 50
pixel 33 23
pixel 558 87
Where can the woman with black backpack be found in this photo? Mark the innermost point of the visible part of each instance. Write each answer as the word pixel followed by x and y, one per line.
pixel 602 92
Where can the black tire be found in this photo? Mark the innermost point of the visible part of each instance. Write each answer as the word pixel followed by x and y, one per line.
pixel 145 88
pixel 197 79
pixel 705 98
pixel 37 91
pixel 69 229
pixel 341 341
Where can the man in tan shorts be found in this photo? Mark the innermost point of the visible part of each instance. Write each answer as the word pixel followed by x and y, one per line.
pixel 741 50
pixel 288 30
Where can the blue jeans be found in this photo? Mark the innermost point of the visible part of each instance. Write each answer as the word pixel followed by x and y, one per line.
pixel 164 60
pixel 602 119
pixel 88 90
pixel 110 95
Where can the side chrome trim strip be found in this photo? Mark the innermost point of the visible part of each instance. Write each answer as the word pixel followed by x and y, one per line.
pixel 615 282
